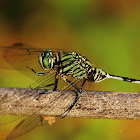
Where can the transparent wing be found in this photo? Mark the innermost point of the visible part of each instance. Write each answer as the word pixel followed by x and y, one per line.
pixel 31 123
pixel 63 96
pixel 8 119
pixel 21 55
pixel 47 82
pixel 24 127
pixel 44 82
pixel 89 86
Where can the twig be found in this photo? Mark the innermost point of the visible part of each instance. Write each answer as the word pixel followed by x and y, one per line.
pixel 92 104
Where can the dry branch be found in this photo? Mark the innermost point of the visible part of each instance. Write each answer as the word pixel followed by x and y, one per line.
pixel 92 104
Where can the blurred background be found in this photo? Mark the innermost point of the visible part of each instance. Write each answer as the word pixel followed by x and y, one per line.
pixel 107 32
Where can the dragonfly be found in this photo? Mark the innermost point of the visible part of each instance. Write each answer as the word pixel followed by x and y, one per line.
pixel 58 69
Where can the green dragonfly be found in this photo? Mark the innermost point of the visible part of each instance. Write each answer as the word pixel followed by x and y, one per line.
pixel 58 69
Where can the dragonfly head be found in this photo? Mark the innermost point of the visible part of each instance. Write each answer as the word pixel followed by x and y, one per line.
pixel 46 59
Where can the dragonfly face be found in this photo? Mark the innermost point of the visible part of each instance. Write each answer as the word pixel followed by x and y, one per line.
pixel 47 59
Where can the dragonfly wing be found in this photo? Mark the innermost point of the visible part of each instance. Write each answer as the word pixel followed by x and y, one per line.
pixel 89 86
pixel 48 82
pixel 8 119
pixel 21 55
pixel 44 82
pixel 24 127
pixel 63 96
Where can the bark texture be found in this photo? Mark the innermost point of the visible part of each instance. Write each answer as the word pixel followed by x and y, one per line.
pixel 92 104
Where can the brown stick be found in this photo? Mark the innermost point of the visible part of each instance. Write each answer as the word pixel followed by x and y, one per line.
pixel 92 104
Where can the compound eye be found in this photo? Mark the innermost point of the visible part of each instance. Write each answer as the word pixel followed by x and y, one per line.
pixel 48 53
pixel 46 59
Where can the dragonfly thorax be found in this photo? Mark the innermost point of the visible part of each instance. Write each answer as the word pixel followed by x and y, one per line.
pixel 47 59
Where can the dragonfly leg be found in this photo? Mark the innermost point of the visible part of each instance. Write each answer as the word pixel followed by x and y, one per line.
pixel 83 83
pixel 53 84
pixel 38 74
pixel 64 114
pixel 56 82
pixel 71 83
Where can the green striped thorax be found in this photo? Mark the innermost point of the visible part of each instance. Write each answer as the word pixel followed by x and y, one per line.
pixel 71 64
